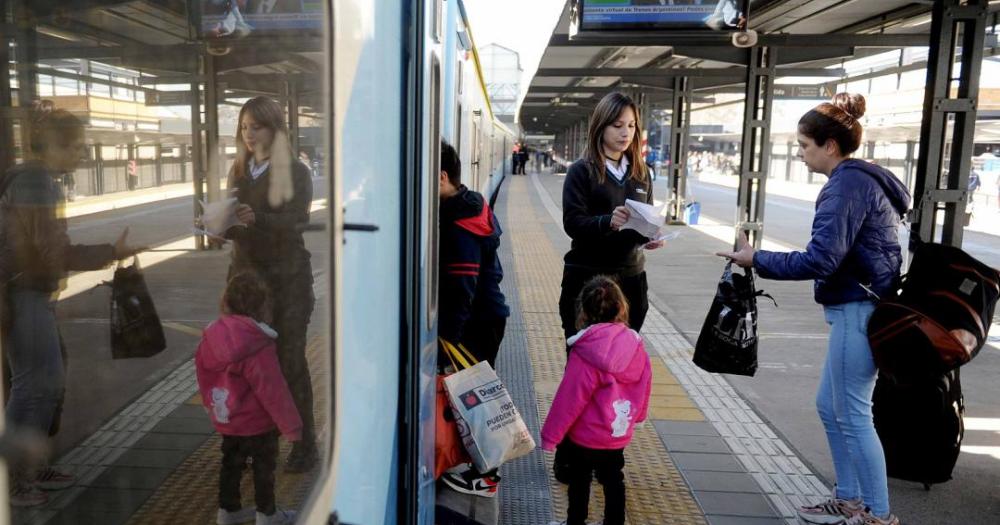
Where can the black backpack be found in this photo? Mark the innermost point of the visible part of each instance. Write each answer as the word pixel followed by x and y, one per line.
pixel 939 318
pixel 920 426
pixel 135 327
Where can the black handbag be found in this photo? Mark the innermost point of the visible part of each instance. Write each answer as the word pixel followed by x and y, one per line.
pixel 727 343
pixel 135 328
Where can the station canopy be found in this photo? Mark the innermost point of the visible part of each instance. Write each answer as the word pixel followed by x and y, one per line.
pixel 811 38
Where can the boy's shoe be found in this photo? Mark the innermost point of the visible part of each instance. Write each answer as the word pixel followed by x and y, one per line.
pixel 49 478
pixel 831 511
pixel 244 515
pixel 280 517
pixel 865 517
pixel 470 482
pixel 302 458
pixel 27 496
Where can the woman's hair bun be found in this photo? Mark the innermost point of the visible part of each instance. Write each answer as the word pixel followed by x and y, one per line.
pixel 852 103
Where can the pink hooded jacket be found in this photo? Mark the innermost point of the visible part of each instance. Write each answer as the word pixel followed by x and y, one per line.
pixel 240 380
pixel 604 391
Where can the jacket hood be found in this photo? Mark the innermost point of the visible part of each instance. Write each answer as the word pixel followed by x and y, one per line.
pixel 894 189
pixel 469 211
pixel 613 348
pixel 233 338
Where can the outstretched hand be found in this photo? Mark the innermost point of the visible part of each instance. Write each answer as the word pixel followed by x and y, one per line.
pixel 743 256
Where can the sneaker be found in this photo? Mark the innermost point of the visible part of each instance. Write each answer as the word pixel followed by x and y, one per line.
pixel 244 515
pixel 302 458
pixel 280 517
pixel 865 517
pixel 49 478
pixel 830 512
pixel 27 496
pixel 470 482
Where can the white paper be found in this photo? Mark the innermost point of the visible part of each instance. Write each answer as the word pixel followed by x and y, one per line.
pixel 644 218
pixel 219 216
pixel 668 236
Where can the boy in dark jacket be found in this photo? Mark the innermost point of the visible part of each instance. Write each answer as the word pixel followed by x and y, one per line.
pixel 472 309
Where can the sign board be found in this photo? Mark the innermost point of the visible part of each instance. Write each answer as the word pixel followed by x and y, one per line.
pixel 802 92
pixel 238 19
pixel 717 15
pixel 169 98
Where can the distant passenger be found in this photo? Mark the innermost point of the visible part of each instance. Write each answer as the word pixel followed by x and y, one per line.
pixel 603 395
pixel 854 257
pixel 35 257
pixel 594 194
pixel 472 309
pixel 242 388
pixel 275 195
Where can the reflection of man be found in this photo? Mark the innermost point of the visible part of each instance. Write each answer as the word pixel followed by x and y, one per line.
pixel 726 15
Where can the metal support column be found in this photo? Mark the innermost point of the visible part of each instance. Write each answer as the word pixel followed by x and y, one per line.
pixel 26 56
pixel 789 152
pixel 158 165
pixel 954 27
pixel 755 149
pixel 293 117
pixel 680 134
pixel 213 171
pixel 7 156
pixel 197 153
pixel 909 163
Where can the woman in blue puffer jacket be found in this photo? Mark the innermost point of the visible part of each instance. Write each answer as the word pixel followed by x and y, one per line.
pixel 853 256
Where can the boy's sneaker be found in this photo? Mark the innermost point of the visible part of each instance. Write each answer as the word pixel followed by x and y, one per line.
pixel 27 496
pixel 49 478
pixel 244 515
pixel 470 482
pixel 865 517
pixel 831 511
pixel 280 517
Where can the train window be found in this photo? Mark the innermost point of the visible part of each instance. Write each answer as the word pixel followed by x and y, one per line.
pixel 434 112
pixel 179 145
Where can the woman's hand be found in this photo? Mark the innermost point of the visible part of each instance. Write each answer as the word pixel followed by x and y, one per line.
pixel 654 245
pixel 619 217
pixel 245 214
pixel 742 256
pixel 122 250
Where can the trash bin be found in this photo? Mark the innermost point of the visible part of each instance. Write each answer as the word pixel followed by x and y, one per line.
pixel 691 213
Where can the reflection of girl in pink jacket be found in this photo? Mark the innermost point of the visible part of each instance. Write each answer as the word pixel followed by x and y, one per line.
pixel 603 395
pixel 246 396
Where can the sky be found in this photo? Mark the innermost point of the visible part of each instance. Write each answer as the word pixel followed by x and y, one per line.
pixel 522 25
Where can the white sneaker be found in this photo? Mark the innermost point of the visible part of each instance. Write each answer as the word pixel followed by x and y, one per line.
pixel 244 515
pixel 280 517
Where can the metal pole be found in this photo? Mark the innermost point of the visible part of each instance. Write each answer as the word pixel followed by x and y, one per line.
pixel 947 16
pixel 213 172
pixel 680 134
pixel 197 154
pixel 26 55
pixel 755 151
pixel 293 116
pixel 7 157
pixel 789 150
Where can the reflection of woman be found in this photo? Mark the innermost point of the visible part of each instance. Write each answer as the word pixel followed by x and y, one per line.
pixel 35 255
pixel 854 254
pixel 275 194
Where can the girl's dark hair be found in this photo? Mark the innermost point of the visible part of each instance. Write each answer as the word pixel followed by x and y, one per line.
pixel 605 114
pixel 247 294
pixel 601 301
pixel 48 125
pixel 837 120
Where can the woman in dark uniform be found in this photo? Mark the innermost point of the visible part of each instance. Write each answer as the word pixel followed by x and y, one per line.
pixel 275 193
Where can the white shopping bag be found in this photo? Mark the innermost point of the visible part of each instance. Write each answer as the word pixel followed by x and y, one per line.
pixel 491 427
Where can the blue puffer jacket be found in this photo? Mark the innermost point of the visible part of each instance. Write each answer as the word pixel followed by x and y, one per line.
pixel 854 236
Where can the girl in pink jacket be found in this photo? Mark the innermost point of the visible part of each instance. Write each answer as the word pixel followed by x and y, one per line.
pixel 604 393
pixel 246 396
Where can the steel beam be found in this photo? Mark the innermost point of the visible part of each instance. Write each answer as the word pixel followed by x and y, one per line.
pixel 953 25
pixel 755 149
pixel 658 38
pixel 680 128
pixel 730 72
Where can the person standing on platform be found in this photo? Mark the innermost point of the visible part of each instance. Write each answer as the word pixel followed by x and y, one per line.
pixel 35 257
pixel 275 193
pixel 594 194
pixel 472 310
pixel 854 257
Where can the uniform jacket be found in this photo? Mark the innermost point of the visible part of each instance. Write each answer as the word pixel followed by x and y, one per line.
pixel 470 267
pixel 854 237
pixel 605 389
pixel 240 380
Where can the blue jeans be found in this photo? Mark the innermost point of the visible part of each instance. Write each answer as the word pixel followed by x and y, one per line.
pixel 37 366
pixel 844 403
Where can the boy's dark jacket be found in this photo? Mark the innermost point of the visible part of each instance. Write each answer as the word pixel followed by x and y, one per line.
pixel 470 269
